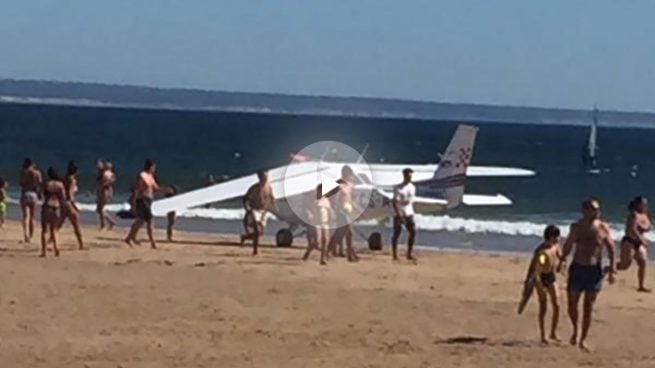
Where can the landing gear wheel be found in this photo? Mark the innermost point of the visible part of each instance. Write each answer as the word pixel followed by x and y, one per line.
pixel 375 241
pixel 284 238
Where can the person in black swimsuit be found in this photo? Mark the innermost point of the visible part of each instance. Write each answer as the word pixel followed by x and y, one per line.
pixel 634 244
pixel 544 264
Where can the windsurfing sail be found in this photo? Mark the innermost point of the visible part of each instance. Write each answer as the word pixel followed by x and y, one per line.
pixel 589 157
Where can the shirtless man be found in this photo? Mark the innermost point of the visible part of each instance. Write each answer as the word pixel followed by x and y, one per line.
pixel 54 195
pixel 403 205
pixel 69 209
pixel 258 200
pixel 145 190
pixel 31 184
pixel 589 235
pixel 634 244
pixel 104 193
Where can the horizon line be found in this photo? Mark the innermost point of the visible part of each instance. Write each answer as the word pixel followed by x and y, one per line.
pixel 285 94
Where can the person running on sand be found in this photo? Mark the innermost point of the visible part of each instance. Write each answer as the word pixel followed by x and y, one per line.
pixel 544 264
pixel 31 183
pixel 54 197
pixel 170 217
pixel 3 201
pixel 145 193
pixel 634 243
pixel 104 193
pixel 403 205
pixel 257 202
pixel 69 208
pixel 587 238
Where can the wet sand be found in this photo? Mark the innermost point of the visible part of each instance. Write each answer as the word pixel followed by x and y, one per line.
pixel 205 302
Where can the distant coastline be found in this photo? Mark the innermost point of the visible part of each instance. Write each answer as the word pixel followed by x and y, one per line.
pixel 123 96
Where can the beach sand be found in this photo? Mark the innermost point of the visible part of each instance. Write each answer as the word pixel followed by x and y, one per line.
pixel 195 303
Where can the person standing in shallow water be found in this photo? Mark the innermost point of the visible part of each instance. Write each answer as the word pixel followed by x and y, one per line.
pixel 587 238
pixel 634 244
pixel 31 184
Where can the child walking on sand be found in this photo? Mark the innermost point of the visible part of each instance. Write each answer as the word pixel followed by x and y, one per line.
pixel 544 265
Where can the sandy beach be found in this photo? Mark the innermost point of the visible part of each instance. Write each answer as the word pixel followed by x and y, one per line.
pixel 205 302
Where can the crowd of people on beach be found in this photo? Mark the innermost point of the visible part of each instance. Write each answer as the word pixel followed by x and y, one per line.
pixel 326 209
pixel 57 195
pixel 587 238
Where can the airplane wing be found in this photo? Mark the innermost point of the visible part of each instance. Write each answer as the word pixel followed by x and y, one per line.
pixel 486 200
pixel 478 171
pixel 215 193
pixel 386 175
pixel 429 205
pixel 285 181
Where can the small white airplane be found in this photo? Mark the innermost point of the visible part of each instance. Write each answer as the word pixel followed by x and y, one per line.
pixel 439 187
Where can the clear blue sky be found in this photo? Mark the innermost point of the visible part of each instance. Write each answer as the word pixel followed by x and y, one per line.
pixel 567 53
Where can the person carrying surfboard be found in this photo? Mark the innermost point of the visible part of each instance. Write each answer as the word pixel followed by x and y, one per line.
pixel 543 267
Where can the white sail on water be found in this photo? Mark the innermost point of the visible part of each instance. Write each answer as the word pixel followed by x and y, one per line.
pixel 591 147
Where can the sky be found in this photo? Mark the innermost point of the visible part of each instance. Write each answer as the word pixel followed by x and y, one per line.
pixel 556 53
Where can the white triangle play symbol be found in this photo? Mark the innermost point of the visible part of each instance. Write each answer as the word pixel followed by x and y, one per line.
pixel 327 182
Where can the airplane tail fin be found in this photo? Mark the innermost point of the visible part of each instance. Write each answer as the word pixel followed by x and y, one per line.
pixel 450 176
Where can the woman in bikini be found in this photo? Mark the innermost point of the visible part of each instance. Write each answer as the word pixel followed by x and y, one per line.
pixel 30 182
pixel 54 197
pixel 634 243
pixel 69 209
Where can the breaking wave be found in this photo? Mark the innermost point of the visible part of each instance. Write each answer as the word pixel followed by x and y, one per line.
pixel 423 222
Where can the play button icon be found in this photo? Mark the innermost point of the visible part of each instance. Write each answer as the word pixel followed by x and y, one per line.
pixel 329 186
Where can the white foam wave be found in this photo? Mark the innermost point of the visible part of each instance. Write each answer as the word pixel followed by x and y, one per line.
pixel 513 228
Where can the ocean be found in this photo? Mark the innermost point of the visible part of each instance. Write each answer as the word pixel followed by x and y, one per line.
pixel 190 145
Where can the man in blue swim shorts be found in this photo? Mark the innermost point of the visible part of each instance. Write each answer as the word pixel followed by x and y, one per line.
pixel 587 238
